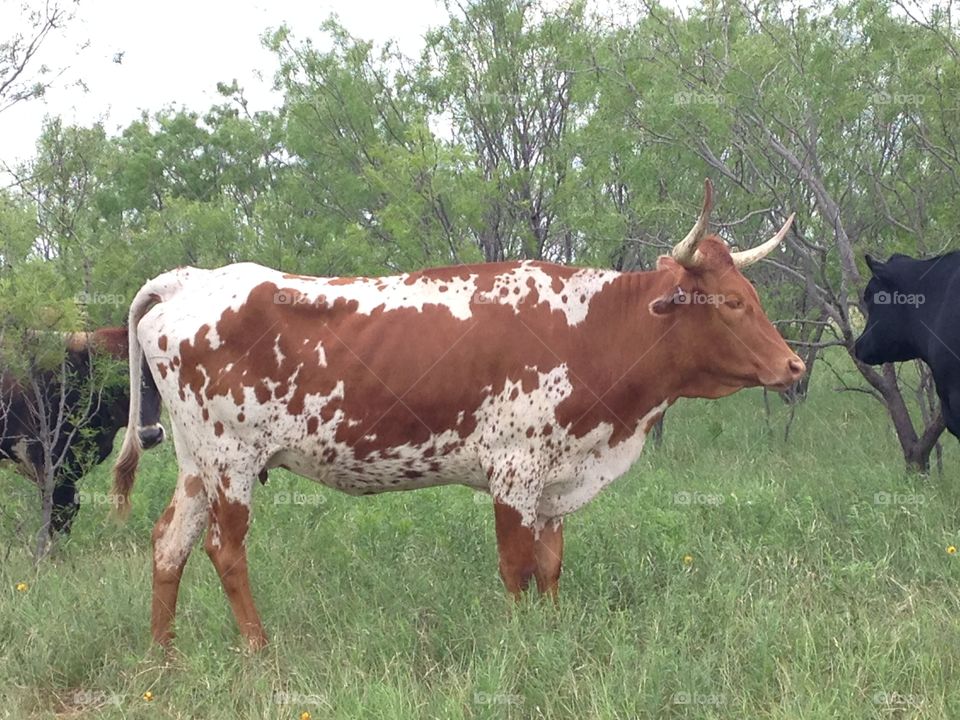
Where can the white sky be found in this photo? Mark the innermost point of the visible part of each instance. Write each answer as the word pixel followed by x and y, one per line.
pixel 175 52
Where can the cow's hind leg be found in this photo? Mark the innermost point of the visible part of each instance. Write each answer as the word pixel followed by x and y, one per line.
pixel 226 546
pixel 173 537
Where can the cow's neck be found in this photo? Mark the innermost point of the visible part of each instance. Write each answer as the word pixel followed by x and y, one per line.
pixel 920 296
pixel 638 356
pixel 668 364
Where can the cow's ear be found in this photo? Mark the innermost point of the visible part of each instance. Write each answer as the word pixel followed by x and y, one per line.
pixel 877 267
pixel 666 304
pixel 665 262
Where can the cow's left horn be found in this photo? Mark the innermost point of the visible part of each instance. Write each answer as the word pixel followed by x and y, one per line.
pixel 685 251
pixel 745 258
pixel 77 341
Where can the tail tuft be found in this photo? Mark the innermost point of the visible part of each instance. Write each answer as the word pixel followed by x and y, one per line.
pixel 124 472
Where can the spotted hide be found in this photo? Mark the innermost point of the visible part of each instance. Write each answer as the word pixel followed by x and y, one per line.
pixel 533 382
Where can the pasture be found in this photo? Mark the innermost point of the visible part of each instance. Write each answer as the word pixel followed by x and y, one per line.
pixel 730 574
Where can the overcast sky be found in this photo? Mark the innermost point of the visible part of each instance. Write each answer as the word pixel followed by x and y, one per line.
pixel 175 52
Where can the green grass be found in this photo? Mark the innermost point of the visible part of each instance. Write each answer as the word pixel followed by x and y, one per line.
pixel 807 596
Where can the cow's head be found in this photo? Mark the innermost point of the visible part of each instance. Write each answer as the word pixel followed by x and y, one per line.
pixel 725 339
pixel 103 347
pixel 886 338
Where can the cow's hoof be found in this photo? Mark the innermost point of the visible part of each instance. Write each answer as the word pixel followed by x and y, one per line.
pixel 151 436
pixel 256 643
pixel 62 519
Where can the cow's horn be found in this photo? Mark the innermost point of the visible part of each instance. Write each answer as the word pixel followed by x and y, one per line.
pixel 77 341
pixel 685 251
pixel 745 258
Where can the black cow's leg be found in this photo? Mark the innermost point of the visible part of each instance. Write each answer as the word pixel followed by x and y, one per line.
pixel 950 405
pixel 65 504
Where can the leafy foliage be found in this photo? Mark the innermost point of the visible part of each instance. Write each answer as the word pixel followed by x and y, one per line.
pixel 523 130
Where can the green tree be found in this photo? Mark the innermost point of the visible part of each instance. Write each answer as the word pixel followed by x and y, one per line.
pixel 504 75
pixel 822 111
pixel 28 29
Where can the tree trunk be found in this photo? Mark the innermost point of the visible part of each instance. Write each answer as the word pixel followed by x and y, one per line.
pixel 916 449
pixel 44 540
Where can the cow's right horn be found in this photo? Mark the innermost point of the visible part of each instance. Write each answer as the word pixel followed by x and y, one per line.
pixel 746 258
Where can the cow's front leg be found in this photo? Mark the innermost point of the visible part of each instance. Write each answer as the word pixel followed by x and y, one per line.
pixel 548 551
pixel 523 555
pixel 515 546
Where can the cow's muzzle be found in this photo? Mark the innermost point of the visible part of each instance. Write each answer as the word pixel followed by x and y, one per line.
pixel 151 436
pixel 793 369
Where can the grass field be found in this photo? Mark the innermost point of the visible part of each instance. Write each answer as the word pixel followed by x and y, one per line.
pixel 818 585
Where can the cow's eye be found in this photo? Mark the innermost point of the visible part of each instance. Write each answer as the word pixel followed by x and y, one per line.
pixel 734 303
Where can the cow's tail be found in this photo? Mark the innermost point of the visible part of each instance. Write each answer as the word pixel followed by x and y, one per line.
pixel 144 430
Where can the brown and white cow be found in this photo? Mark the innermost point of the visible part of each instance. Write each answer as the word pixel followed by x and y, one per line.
pixel 533 382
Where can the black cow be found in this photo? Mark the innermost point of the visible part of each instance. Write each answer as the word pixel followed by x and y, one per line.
pixel 912 312
pixel 19 429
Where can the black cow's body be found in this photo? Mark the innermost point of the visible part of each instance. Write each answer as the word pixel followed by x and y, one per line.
pixel 913 309
pixel 19 429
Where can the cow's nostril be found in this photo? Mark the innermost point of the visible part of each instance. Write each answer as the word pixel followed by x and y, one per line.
pixel 796 366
